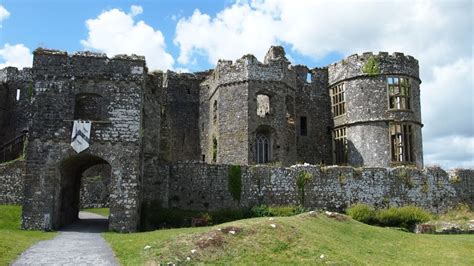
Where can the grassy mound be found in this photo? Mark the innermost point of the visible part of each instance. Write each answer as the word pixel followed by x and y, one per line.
pixel 302 239
pixel 14 241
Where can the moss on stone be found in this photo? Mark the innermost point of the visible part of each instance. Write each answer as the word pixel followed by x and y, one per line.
pixel 371 67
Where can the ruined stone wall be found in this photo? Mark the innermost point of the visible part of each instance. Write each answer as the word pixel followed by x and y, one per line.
pixel 11 182
pixel 180 116
pixel 203 187
pixel 368 115
pixel 313 102
pixel 52 166
pixel 463 182
pixel 14 113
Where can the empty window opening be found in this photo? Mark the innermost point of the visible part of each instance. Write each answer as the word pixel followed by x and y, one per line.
pixel 17 94
pixel 401 141
pixel 90 107
pixel 290 109
pixel 203 158
pixel 338 100
pixel 340 146
pixel 263 105
pixel 309 77
pixel 303 126
pixel 214 111
pixel 262 148
pixel 399 93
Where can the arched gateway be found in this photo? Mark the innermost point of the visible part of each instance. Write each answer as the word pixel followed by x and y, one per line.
pixel 68 135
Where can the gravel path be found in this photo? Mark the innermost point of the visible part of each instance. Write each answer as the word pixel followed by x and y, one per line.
pixel 77 244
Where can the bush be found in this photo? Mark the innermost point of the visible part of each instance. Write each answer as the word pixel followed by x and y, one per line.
pixel 406 217
pixel 363 213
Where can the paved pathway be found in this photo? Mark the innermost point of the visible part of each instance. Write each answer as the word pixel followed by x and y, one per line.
pixel 77 244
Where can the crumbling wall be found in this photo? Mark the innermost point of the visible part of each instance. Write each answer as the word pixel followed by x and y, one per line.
pixel 463 181
pixel 314 104
pixel 11 182
pixel 14 109
pixel 203 187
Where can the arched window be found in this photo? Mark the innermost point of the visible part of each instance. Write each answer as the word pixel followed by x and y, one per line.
pixel 262 149
pixel 90 106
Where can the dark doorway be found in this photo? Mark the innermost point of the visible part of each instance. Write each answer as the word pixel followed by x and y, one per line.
pixel 72 170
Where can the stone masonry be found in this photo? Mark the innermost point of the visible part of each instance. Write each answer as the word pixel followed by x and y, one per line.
pixel 168 138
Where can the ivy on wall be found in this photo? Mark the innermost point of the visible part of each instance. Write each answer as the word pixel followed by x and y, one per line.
pixel 235 181
pixel 302 179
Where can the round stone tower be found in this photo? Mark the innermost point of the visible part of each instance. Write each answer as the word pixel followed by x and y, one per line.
pixel 375 103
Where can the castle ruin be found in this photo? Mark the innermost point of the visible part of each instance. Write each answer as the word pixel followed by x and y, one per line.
pixel 169 138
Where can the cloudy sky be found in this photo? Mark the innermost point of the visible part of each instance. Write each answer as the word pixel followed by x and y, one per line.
pixel 192 35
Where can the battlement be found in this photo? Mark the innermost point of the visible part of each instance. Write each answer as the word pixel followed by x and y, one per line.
pixel 86 63
pixel 275 68
pixel 12 74
pixel 370 64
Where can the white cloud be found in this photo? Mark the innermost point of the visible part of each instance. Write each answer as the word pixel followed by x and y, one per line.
pixel 136 10
pixel 437 33
pixel 115 32
pixel 17 55
pixel 4 14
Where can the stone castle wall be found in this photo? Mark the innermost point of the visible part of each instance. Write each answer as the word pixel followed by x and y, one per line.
pixel 11 182
pixel 203 187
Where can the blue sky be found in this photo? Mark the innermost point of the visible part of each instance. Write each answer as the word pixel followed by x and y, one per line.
pixel 193 35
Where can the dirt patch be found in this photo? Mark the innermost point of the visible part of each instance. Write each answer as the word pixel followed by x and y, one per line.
pixel 231 229
pixel 211 239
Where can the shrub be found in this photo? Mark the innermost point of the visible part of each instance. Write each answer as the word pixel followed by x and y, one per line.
pixel 301 180
pixel 363 213
pixel 406 217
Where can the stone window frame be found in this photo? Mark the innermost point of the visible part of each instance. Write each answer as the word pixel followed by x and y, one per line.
pixel 401 142
pixel 340 147
pixel 263 151
pixel 399 92
pixel 338 100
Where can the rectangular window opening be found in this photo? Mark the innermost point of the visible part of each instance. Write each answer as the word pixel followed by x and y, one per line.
pixel 303 126
pixel 340 146
pixel 401 142
pixel 17 94
pixel 399 93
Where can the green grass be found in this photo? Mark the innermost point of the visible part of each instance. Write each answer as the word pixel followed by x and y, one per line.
pixel 296 240
pixel 14 241
pixel 100 211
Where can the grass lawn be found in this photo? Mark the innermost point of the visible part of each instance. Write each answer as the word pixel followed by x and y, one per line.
pixel 100 211
pixel 303 239
pixel 14 241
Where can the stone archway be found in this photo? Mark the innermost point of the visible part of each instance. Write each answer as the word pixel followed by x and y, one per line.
pixel 71 170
